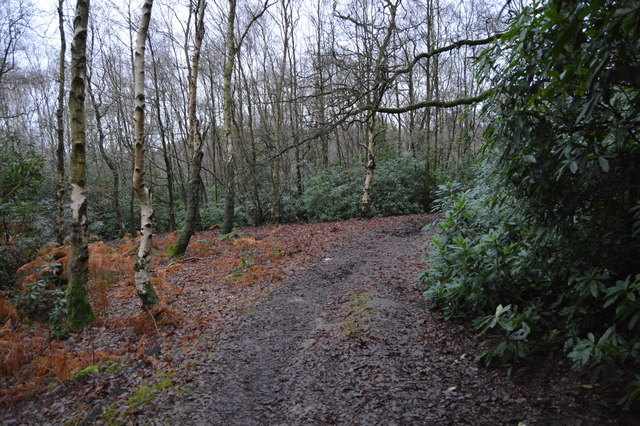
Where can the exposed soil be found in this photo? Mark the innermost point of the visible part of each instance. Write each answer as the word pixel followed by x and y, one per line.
pixel 350 340
pixel 347 339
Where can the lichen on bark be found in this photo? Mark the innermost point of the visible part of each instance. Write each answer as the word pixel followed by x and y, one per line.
pixel 79 309
pixel 195 139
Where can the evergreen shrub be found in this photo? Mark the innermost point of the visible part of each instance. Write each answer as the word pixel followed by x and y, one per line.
pixel 542 251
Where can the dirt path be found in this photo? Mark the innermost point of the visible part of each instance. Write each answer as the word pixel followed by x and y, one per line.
pixel 350 341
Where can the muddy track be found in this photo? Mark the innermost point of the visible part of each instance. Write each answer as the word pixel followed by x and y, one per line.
pixel 349 340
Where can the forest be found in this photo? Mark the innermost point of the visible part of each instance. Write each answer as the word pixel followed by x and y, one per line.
pixel 166 166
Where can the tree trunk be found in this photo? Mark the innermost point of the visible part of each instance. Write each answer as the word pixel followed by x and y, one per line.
pixel 173 145
pixel 251 157
pixel 276 208
pixel 412 114
pixel 78 307
pixel 215 137
pixel 436 89
pixel 427 127
pixel 319 89
pixel 195 182
pixel 163 139
pixel 365 207
pixel 112 166
pixel 229 172
pixel 427 153
pixel 380 84
pixel 229 157
pixel 132 216
pixel 144 287
pixel 276 211
pixel 59 225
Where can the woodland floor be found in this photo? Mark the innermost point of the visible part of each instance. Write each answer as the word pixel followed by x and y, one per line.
pixel 310 324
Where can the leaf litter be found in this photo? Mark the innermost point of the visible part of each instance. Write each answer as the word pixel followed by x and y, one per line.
pixel 287 324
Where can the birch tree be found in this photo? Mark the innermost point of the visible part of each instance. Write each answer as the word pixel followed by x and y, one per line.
pixel 144 287
pixel 379 85
pixel 79 310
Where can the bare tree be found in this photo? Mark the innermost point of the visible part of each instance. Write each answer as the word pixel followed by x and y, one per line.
pixel 144 287
pixel 163 139
pixel 79 309
pixel 59 220
pixel 319 84
pixel 376 84
pixel 96 102
pixel 232 49
pixel 229 172
pixel 268 116
pixel 14 17
pixel 195 137
pixel 278 111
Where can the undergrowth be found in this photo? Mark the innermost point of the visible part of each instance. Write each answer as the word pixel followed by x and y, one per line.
pixel 541 251
pixel 522 287
pixel 228 277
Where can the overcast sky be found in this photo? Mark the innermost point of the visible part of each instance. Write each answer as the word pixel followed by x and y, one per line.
pixel 45 25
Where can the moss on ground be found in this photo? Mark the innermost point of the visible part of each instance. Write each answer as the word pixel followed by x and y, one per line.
pixel 356 314
pixel 121 414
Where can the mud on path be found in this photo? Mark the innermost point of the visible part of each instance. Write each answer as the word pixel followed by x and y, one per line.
pixel 349 340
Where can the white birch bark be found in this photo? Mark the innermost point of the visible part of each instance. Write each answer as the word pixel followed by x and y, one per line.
pixel 144 287
pixel 78 308
pixel 380 85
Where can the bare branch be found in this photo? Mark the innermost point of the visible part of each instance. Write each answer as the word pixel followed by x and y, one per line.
pixel 434 103
pixel 455 45
pixel 254 18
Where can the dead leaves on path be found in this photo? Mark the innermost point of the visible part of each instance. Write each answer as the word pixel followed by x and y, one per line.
pixel 217 280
